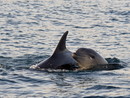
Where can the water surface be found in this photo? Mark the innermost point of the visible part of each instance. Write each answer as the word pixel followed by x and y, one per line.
pixel 30 31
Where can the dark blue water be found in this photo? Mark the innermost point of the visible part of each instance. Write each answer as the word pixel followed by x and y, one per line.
pixel 30 31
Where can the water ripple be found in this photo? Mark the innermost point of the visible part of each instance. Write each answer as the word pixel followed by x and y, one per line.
pixel 30 31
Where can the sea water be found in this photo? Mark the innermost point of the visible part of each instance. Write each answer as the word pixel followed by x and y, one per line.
pixel 30 31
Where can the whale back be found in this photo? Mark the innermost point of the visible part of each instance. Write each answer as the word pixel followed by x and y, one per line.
pixel 61 58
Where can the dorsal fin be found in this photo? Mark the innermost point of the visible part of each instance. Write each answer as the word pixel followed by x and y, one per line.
pixel 62 43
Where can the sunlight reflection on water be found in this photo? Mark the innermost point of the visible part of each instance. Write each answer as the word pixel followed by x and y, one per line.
pixel 30 31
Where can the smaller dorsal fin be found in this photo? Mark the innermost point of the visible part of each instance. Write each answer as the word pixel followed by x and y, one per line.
pixel 62 43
